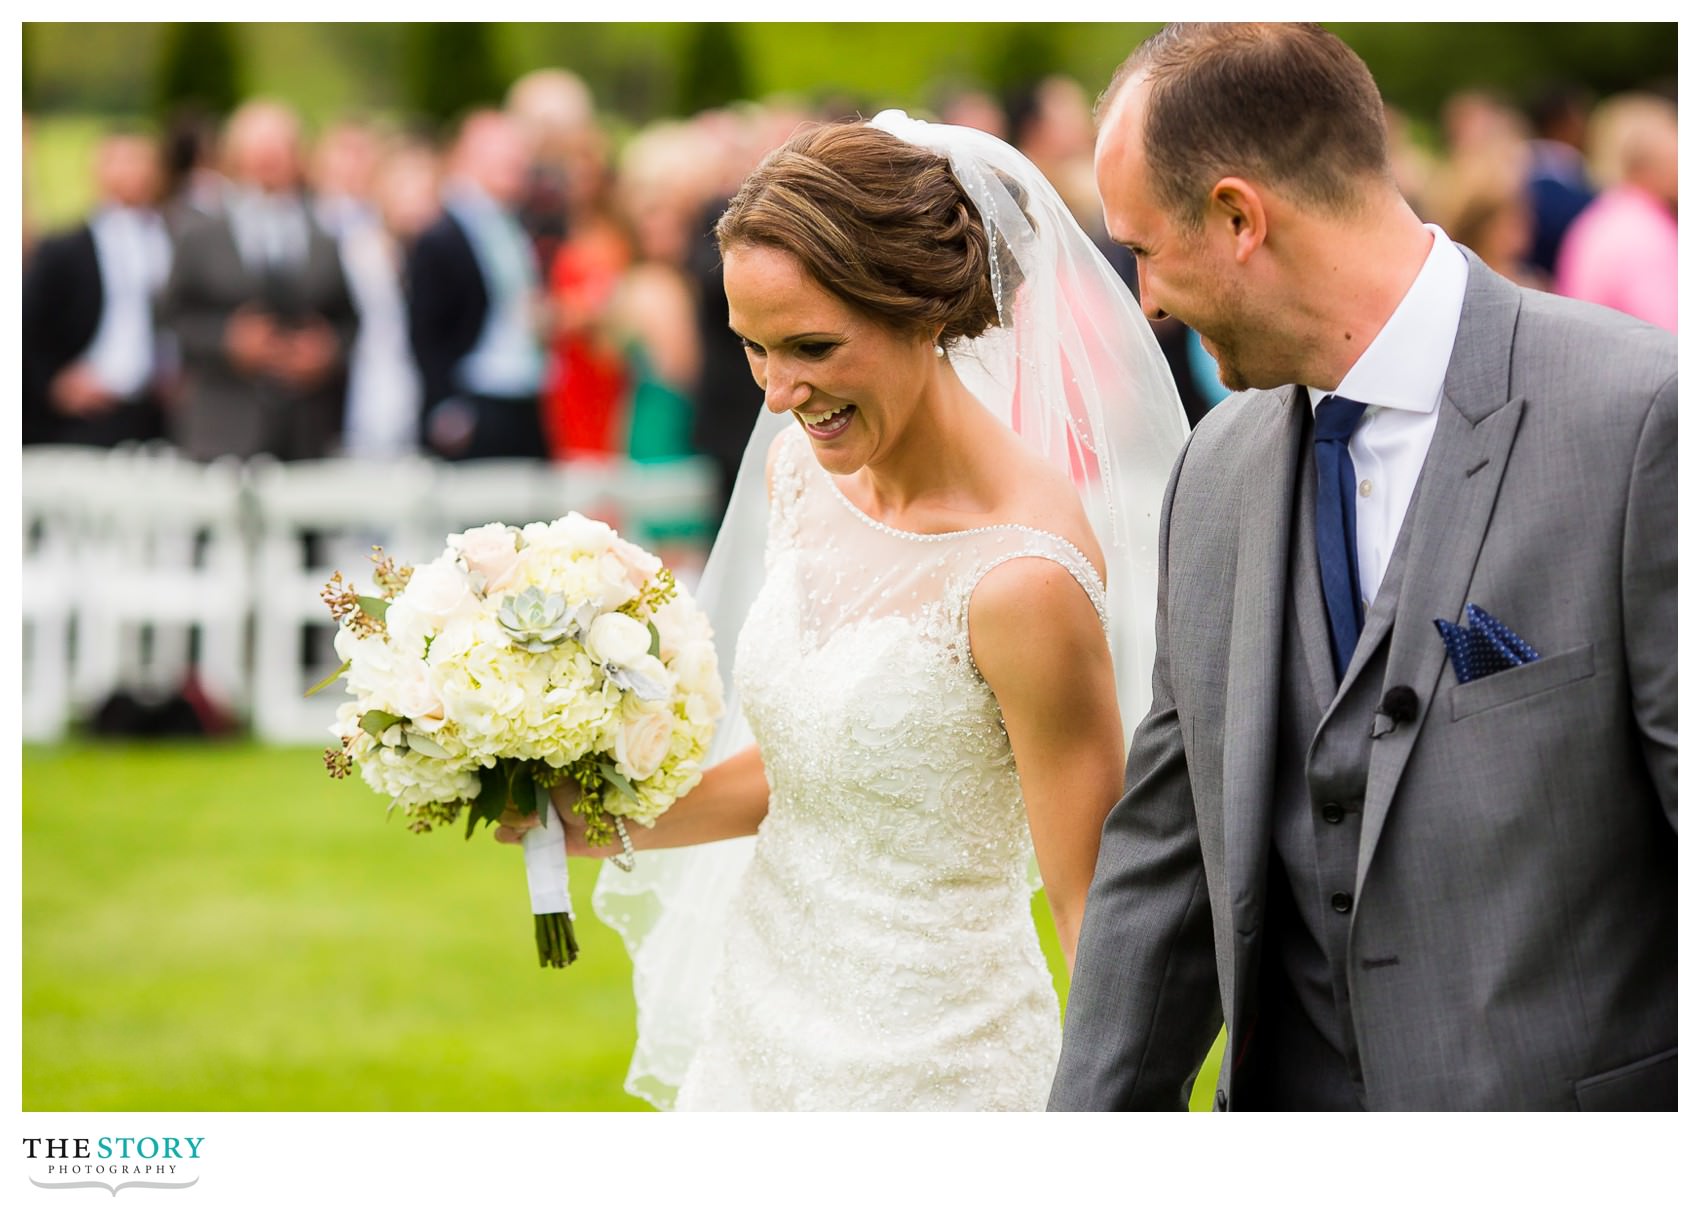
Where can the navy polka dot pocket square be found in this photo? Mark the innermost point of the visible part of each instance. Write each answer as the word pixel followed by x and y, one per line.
pixel 1483 645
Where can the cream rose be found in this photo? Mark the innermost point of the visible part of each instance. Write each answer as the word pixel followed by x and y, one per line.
pixel 697 667
pixel 439 591
pixel 572 533
pixel 490 551
pixel 641 745
pixel 617 585
pixel 416 699
pixel 617 639
pixel 643 565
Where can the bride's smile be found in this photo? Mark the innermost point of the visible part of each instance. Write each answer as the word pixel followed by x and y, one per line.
pixel 827 425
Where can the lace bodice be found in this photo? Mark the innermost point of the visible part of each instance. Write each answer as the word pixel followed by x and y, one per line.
pixel 881 952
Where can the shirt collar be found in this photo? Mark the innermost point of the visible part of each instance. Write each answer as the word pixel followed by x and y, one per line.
pixel 1405 366
pixel 466 196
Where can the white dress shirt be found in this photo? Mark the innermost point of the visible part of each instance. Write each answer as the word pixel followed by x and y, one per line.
pixel 508 358
pixel 272 230
pixel 381 413
pixel 134 256
pixel 1400 377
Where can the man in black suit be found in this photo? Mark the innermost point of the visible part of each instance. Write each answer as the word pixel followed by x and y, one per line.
pixel 91 357
pixel 473 304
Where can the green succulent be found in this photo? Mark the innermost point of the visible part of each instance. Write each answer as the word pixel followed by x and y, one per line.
pixel 535 621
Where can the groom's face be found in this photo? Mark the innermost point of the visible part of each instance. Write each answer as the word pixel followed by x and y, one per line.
pixel 1183 272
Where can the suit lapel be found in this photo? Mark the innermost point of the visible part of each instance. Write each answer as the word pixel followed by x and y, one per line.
pixel 238 272
pixel 1454 503
pixel 90 301
pixel 1254 659
pixel 319 266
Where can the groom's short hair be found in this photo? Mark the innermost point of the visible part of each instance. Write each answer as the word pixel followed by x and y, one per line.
pixel 1287 104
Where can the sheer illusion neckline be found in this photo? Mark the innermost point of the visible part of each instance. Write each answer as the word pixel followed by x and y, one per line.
pixel 939 536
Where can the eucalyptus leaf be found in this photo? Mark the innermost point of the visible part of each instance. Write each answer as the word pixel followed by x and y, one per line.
pixel 618 780
pixel 377 608
pixel 654 638
pixel 327 680
pixel 423 743
pixel 375 721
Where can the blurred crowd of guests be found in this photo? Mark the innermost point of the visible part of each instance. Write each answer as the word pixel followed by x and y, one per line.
pixel 525 288
pixel 520 288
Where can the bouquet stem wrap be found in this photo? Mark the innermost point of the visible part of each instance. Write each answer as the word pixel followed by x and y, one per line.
pixel 551 902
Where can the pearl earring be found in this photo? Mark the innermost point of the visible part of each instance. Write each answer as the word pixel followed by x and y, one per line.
pixel 938 350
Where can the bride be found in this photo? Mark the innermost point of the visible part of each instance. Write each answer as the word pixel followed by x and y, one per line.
pixel 974 428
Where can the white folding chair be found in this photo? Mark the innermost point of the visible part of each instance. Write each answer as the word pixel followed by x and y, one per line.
pixel 479 491
pixel 162 557
pixel 655 503
pixel 314 518
pixel 56 481
pixel 584 486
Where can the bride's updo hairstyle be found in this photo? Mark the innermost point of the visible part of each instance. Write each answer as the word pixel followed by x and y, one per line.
pixel 880 223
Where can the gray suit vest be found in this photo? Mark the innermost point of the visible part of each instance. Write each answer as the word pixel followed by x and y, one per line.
pixel 1302 1052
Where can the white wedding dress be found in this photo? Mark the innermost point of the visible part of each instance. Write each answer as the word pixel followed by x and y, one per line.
pixel 880 952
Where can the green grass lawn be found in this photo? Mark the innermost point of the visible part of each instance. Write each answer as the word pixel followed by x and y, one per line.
pixel 220 927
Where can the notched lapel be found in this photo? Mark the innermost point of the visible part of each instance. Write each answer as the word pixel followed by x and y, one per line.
pixel 1253 695
pixel 1454 504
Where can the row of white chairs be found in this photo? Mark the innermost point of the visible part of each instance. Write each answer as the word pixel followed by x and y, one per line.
pixel 140 565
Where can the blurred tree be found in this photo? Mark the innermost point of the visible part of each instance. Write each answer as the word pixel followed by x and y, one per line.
pixel 200 66
pixel 1418 66
pixel 713 72
pixel 635 68
pixel 449 68
pixel 26 69
pixel 1027 52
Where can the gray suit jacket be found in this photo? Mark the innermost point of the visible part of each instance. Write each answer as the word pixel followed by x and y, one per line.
pixel 1513 933
pixel 225 411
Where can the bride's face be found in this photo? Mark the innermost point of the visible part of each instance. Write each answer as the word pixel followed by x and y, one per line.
pixel 852 383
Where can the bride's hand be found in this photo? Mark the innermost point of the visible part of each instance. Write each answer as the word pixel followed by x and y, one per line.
pixel 512 826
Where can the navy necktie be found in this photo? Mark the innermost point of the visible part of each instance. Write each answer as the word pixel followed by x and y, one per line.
pixel 1337 524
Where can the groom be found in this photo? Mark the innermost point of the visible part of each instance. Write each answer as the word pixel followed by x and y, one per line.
pixel 1403 812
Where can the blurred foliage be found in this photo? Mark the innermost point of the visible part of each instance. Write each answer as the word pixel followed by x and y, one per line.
pixel 199 68
pixel 645 70
pixel 713 72
pixel 57 179
pixel 450 69
pixel 422 73
pixel 1025 53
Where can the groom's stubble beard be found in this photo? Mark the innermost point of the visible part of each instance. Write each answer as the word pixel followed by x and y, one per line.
pixel 1223 321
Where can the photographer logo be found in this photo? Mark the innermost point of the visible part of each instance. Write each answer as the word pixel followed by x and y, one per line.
pixel 113 1163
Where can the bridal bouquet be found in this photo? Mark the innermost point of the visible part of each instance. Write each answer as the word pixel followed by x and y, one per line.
pixel 519 659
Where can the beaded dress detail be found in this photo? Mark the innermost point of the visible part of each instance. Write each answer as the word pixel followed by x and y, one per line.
pixel 880 953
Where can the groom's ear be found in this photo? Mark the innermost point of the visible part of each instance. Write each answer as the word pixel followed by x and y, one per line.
pixel 1237 209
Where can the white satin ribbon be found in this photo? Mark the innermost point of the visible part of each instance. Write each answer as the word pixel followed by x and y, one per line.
pixel 546 866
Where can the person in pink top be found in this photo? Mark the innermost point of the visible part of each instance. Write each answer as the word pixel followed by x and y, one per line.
pixel 1621 251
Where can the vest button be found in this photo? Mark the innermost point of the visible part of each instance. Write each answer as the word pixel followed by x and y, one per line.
pixel 1342 903
pixel 1332 813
